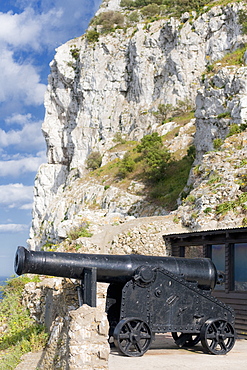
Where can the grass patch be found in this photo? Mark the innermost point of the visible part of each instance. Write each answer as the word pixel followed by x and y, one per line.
pixel 79 232
pixel 234 58
pixel 181 119
pixel 224 115
pixel 223 208
pixel 217 143
pixel 207 210
pixel 150 163
pixel 123 146
pixel 236 129
pixel 22 334
pixel 214 179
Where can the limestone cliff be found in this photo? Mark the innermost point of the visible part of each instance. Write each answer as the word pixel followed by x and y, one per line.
pixel 115 85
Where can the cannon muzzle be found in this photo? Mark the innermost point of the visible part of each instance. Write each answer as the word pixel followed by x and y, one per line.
pixel 113 268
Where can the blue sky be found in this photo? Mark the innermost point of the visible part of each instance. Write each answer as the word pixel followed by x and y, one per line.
pixel 30 31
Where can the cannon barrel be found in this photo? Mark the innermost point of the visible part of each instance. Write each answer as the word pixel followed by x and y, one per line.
pixel 112 268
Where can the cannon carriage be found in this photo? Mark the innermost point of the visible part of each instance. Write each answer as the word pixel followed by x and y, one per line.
pixel 146 295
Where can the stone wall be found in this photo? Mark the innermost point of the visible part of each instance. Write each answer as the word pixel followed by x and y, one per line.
pixel 78 335
pixel 145 238
pixel 88 334
pixel 78 341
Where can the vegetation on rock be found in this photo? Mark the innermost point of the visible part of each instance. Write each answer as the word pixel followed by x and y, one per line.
pixel 92 36
pixel 149 162
pixel 155 156
pixel 19 332
pixel 79 232
pixel 108 21
pixel 243 20
pixel 94 160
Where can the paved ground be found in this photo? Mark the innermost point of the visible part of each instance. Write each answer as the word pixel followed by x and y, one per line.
pixel 165 355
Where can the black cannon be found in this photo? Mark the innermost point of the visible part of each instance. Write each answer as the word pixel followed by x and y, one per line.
pixel 146 295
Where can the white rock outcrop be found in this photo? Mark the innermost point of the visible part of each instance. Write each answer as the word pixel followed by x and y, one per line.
pixel 220 103
pixel 113 87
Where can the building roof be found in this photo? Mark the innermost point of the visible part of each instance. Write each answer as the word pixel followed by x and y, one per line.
pixel 220 236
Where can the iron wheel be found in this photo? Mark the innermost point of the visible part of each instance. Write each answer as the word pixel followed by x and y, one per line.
pixel 132 337
pixel 217 336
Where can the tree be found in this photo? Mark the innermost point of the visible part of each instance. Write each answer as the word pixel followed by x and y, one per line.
pixel 155 155
pixel 127 165
pixel 94 160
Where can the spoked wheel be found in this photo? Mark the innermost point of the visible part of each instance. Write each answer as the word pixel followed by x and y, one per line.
pixel 132 337
pixel 186 339
pixel 217 336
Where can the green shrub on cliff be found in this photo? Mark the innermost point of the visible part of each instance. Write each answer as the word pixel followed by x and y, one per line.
pixel 131 4
pixel 92 36
pixel 150 10
pixel 108 21
pixel 155 156
pixel 150 163
pixel 94 160
pixel 173 7
pixel 242 17
pixel 79 232
pixel 126 166
pixel 21 334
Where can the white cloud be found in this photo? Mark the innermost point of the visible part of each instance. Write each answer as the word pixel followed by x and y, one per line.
pixel 45 24
pixel 27 206
pixel 37 29
pixel 16 167
pixel 20 119
pixel 13 228
pixel 28 138
pixel 20 82
pixel 20 30
pixel 15 195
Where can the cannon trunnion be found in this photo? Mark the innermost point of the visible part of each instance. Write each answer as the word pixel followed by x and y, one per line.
pixel 146 295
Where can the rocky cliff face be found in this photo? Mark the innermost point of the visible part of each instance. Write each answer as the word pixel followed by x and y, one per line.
pixel 114 86
pixel 220 103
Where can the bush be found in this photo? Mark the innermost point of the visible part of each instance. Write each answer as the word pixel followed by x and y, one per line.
pixel 131 4
pixel 207 210
pixel 79 232
pixel 236 129
pixel 223 208
pixel 185 5
pixel 243 20
pixel 94 160
pixel 176 8
pixel 217 143
pixel 126 166
pixel 22 334
pixel 155 155
pixel 149 142
pixel 150 10
pixel 109 20
pixel 165 110
pixel 183 106
pixel 133 17
pixel 92 36
pixel 118 138
pixel 75 52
